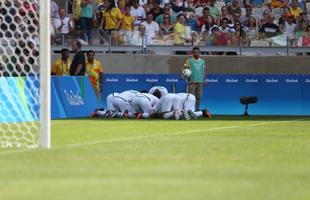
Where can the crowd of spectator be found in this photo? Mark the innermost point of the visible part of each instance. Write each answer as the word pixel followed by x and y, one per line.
pixel 184 22
pixel 19 37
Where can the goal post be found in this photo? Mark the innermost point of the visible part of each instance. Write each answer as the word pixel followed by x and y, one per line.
pixel 25 81
pixel 45 77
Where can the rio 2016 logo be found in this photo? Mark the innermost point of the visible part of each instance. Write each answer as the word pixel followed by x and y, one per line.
pixel 74 99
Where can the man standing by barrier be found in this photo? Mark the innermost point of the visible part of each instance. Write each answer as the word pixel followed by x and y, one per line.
pixel 197 78
pixel 95 73
pixel 77 67
pixel 61 66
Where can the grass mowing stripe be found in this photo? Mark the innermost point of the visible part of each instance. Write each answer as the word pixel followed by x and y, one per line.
pixel 149 136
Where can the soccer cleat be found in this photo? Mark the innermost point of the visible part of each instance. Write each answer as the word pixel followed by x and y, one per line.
pixel 192 114
pixel 206 113
pixel 138 115
pixel 107 114
pixel 125 114
pixel 186 115
pixel 93 114
pixel 177 114
pixel 114 114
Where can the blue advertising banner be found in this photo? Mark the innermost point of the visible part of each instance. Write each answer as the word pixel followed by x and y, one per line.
pixel 18 103
pixel 277 94
pixel 73 97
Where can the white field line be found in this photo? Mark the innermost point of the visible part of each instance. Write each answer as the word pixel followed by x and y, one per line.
pixel 149 136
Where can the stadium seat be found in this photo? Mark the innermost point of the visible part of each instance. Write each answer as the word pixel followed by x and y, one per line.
pixel 259 43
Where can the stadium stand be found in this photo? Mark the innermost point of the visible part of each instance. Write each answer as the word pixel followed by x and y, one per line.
pixel 193 31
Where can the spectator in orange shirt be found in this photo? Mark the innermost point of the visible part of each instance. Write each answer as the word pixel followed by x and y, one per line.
pixel 94 71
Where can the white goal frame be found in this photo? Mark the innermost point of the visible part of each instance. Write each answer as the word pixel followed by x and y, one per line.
pixel 45 75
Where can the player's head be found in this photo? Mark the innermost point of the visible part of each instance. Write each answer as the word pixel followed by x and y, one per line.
pixel 90 56
pixel 196 52
pixel 157 93
pixel 65 54
pixel 206 113
pixel 76 45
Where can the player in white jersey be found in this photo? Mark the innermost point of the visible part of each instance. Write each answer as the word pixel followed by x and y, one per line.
pixel 143 104
pixel 117 105
pixel 163 90
pixel 169 106
pixel 189 104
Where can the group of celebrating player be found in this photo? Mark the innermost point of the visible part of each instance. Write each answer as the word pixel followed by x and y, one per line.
pixel 157 103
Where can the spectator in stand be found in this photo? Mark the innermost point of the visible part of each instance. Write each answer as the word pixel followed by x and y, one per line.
pixel 166 11
pixel 224 26
pixel 179 30
pixel 191 19
pixel 214 11
pixel 137 38
pixel 225 14
pixel 278 4
pixel 156 11
pixel 128 20
pixel 219 38
pixel 203 19
pixel 77 67
pixel 269 29
pixel 200 3
pixel 289 29
pixel 138 12
pixel 248 13
pixel 149 5
pixel 210 23
pixel 54 9
pixel 61 67
pixel 151 27
pixel 238 37
pixel 264 20
pixel 76 15
pixel 304 41
pixel 300 30
pixel 121 4
pixel 254 3
pixel 86 21
pixel 178 6
pixel 285 13
pixel 295 10
pixel 303 16
pixel 251 29
pixel 234 7
pixel 94 71
pixel 166 28
pixel 63 26
pixel 111 17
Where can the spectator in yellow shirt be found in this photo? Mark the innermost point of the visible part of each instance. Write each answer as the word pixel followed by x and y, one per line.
pixel 295 10
pixel 61 66
pixel 111 17
pixel 128 20
pixel 94 71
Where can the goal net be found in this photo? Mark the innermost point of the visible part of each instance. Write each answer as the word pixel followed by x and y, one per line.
pixel 24 74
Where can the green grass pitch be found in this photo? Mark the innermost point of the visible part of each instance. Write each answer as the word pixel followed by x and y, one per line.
pixel 229 158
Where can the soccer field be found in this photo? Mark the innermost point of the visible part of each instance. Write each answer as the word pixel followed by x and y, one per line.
pixel 231 158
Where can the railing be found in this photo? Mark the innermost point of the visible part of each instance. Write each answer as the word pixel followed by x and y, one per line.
pixel 136 42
